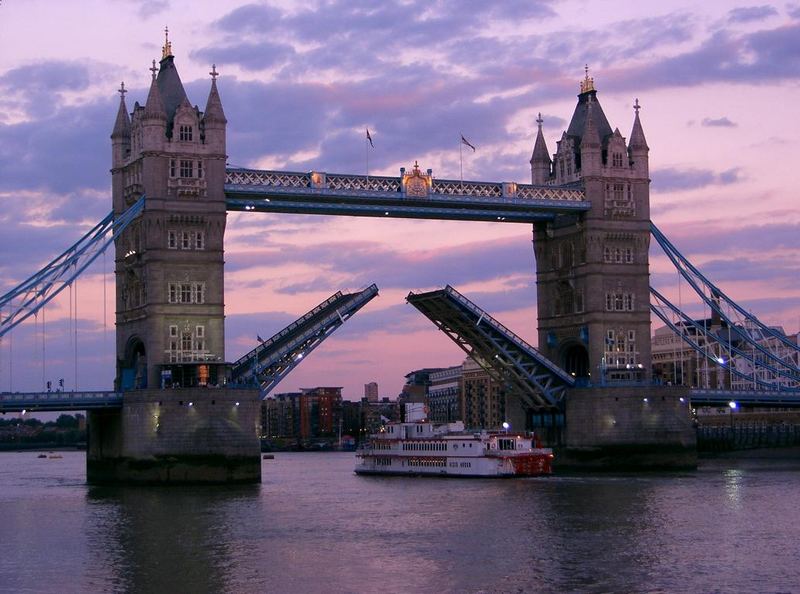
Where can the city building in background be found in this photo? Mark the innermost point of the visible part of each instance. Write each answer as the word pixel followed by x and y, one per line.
pixel 445 403
pixel 416 387
pixel 371 392
pixel 483 398
pixel 677 363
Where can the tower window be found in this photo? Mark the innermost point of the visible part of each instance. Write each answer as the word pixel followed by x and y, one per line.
pixel 187 168
pixel 185 133
pixel 619 301
pixel 172 167
pixel 628 256
pixel 186 241
pixel 200 169
pixel 186 292
pixel 199 240
pixel 616 160
pixel 172 239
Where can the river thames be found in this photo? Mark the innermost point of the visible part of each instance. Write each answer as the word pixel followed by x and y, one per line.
pixel 313 526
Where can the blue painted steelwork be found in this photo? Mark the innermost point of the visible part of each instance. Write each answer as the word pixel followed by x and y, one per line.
pixel 27 298
pixel 503 354
pixel 353 195
pixel 270 361
pixel 711 337
pixel 716 298
pixel 744 398
pixel 58 401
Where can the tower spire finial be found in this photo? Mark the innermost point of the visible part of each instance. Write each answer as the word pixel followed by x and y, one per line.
pixel 122 90
pixel 539 120
pixel 587 84
pixel 153 69
pixel 214 74
pixel 636 106
pixel 166 51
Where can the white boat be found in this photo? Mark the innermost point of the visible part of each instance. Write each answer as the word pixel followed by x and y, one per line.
pixel 422 448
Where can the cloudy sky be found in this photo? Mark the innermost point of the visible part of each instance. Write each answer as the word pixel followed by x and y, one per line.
pixel 718 82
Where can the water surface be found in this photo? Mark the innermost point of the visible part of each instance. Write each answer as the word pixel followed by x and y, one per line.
pixel 313 526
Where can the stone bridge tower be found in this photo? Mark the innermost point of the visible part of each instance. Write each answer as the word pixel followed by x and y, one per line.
pixel 172 428
pixel 169 263
pixel 592 270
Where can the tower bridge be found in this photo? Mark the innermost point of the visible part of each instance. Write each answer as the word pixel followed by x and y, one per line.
pixel 588 204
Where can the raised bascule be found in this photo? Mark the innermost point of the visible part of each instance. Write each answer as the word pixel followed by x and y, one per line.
pixel 181 413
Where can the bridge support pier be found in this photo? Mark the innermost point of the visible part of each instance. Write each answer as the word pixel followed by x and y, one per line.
pixel 628 428
pixel 176 436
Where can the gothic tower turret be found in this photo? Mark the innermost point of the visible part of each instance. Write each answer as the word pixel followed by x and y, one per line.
pixel 169 262
pixel 592 269
pixel 638 151
pixel 541 163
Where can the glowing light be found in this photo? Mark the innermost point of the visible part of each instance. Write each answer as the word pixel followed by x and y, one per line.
pixel 506 425
pixel 733 405
pixel 24 411
pixel 721 360
pixel 644 399
pixel 237 404
pixel 191 404
pixel 682 399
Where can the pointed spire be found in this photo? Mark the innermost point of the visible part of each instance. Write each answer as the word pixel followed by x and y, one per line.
pixel 637 141
pixel 122 125
pixel 540 152
pixel 214 111
pixel 154 107
pixel 166 50
pixel 587 84
pixel 590 136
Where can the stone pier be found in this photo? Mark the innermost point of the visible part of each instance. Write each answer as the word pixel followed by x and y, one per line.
pixel 190 435
pixel 627 428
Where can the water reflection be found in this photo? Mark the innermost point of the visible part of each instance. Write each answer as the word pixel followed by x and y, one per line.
pixel 145 539
pixel 733 486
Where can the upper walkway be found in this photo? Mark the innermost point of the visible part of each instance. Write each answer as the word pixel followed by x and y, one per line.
pixel 414 195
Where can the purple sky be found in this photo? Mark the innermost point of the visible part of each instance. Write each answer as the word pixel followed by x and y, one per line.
pixel 718 82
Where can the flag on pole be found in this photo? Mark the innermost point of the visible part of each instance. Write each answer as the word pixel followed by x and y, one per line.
pixel 370 139
pixel 467 142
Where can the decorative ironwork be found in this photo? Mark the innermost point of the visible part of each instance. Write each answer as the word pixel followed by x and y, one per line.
pixel 363 183
pixel 468 188
pixel 337 182
pixel 549 193
pixel 282 179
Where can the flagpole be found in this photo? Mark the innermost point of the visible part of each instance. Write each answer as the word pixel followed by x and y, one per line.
pixel 461 164
pixel 366 153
